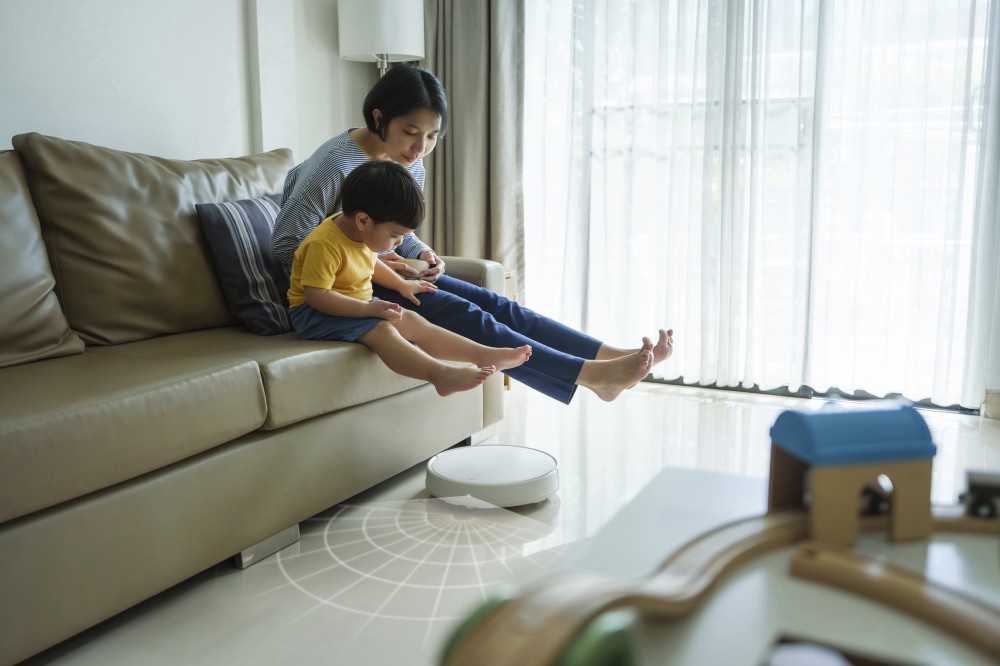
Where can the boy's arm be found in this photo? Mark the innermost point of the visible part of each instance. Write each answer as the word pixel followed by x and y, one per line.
pixel 414 248
pixel 338 305
pixel 386 277
pixel 390 279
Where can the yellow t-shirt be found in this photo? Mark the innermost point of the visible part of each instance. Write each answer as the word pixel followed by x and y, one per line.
pixel 327 259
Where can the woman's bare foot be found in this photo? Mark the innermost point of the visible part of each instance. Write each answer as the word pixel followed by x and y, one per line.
pixel 664 346
pixel 450 379
pixel 505 358
pixel 662 350
pixel 609 378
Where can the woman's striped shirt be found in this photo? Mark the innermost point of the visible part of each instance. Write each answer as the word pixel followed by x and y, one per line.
pixel 313 192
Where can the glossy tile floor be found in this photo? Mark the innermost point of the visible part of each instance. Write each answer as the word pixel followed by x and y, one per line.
pixel 382 578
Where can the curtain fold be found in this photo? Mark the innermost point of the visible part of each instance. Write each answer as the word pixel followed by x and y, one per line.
pixel 805 191
pixel 984 296
pixel 474 176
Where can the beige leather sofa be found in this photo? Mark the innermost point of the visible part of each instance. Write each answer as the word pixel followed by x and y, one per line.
pixel 145 435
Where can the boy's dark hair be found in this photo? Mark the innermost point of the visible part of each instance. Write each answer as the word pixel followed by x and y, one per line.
pixel 386 192
pixel 404 89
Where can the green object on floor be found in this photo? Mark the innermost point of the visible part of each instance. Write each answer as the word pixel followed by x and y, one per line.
pixel 606 641
pixel 473 620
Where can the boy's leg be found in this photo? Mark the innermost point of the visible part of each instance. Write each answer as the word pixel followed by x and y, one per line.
pixel 405 359
pixel 443 344
pixel 549 371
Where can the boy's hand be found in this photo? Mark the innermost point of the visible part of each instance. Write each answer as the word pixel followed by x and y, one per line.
pixel 413 287
pixel 395 262
pixel 386 310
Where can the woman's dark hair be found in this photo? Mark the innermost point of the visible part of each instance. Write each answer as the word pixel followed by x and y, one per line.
pixel 404 89
pixel 386 192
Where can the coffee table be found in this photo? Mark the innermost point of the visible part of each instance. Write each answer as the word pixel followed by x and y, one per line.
pixel 760 602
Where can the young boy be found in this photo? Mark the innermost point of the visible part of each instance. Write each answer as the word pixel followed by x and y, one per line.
pixel 331 286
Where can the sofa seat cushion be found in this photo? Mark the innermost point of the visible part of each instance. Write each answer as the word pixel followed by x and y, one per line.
pixel 78 424
pixel 302 378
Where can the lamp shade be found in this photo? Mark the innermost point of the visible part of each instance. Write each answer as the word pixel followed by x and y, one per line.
pixel 370 28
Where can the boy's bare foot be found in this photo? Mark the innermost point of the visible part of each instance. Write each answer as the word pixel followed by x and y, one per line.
pixel 609 378
pixel 450 379
pixel 505 358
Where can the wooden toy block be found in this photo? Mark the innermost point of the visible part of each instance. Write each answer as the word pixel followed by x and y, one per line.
pixel 832 456
pixel 789 493
pixel 833 513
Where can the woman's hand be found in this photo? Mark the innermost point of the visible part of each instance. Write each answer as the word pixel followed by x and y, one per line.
pixel 412 287
pixel 437 266
pixel 395 262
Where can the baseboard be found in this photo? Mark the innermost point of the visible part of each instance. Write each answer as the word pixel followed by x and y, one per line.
pixel 991 406
pixel 486 434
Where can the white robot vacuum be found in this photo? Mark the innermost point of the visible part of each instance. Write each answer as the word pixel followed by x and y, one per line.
pixel 498 474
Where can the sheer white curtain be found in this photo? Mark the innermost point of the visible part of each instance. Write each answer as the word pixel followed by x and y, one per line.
pixel 801 189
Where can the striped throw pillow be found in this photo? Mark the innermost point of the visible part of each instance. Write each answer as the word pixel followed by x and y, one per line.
pixel 238 234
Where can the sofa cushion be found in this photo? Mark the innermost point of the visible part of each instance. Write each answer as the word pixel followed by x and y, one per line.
pixel 74 425
pixel 238 234
pixel 122 233
pixel 302 378
pixel 32 325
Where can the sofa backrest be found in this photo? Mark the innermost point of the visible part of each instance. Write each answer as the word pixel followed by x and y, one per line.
pixel 122 234
pixel 32 325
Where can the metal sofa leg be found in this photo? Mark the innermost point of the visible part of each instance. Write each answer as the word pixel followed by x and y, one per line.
pixel 268 546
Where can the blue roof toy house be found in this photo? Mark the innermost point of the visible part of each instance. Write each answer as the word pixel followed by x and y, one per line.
pixel 825 460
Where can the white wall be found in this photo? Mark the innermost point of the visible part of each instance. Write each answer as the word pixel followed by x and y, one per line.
pixel 330 91
pixel 179 78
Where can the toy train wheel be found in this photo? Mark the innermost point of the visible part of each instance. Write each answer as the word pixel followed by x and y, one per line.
pixel 982 507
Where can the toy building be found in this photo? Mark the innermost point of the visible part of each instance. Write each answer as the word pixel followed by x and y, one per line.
pixel 824 461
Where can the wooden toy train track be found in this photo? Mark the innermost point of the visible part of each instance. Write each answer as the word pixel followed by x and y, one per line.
pixel 819 462
pixel 539 626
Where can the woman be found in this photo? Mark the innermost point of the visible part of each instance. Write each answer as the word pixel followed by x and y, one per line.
pixel 406 113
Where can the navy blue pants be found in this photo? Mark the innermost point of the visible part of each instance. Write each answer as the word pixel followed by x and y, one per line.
pixel 557 351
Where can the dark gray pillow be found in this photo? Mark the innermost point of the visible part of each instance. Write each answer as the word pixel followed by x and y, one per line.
pixel 238 234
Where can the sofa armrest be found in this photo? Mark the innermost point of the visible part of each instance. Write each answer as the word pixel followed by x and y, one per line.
pixel 489 275
pixel 483 272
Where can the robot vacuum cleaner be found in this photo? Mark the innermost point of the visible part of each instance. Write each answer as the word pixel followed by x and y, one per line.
pixel 498 474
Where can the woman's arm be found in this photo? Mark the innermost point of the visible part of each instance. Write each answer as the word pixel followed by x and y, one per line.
pixel 412 247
